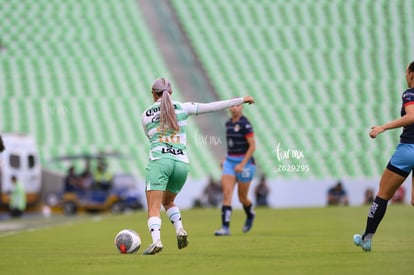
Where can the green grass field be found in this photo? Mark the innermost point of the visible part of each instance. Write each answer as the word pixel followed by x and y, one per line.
pixel 282 241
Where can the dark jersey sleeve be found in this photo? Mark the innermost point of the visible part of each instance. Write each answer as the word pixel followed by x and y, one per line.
pixel 407 135
pixel 408 97
pixel 247 129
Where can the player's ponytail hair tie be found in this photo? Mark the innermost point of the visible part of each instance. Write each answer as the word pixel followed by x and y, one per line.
pixel 160 85
pixel 159 92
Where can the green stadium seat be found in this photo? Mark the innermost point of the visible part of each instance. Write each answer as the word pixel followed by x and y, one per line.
pixel 313 57
pixel 316 68
pixel 76 76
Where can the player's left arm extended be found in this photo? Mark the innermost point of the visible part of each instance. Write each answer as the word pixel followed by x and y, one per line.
pixel 195 108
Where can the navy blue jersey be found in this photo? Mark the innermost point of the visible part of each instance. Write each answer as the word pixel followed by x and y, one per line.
pixel 407 135
pixel 237 134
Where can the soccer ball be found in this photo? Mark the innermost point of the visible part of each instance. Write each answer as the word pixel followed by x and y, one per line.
pixel 127 241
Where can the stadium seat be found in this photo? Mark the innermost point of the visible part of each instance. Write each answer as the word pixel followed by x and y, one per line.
pixel 76 75
pixel 318 82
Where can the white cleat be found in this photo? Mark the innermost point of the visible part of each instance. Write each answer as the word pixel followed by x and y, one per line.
pixel 153 248
pixel 182 240
pixel 224 231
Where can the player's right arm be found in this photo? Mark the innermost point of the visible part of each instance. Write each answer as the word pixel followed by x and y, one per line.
pixel 193 108
pixel 405 120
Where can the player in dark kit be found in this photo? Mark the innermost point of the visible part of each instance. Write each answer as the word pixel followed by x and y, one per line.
pixel 1 145
pixel 398 168
pixel 238 167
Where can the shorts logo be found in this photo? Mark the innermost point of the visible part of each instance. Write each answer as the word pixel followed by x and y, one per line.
pixel 246 173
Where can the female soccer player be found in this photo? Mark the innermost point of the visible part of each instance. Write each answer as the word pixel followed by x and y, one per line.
pixel 398 168
pixel 165 124
pixel 238 167
pixel 1 145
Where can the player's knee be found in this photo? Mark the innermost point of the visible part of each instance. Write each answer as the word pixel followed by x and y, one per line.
pixel 227 194
pixel 168 204
pixel 244 201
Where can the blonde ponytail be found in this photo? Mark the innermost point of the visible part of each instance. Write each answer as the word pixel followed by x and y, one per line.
pixel 168 118
pixel 162 87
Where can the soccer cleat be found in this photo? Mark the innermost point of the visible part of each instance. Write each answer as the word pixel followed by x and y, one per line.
pixel 153 248
pixel 248 224
pixel 365 245
pixel 222 232
pixel 182 239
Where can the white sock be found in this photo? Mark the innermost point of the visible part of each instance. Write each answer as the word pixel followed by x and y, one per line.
pixel 175 217
pixel 154 226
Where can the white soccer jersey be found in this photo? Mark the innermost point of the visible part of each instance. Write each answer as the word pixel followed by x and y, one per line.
pixel 169 143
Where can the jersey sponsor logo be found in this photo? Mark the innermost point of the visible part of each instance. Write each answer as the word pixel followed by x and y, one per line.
pixel 170 150
pixel 152 111
pixel 156 118
pixel 236 128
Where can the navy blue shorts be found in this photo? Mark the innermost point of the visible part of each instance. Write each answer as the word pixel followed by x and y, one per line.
pixel 402 161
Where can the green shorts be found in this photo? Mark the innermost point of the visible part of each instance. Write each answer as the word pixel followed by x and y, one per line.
pixel 166 174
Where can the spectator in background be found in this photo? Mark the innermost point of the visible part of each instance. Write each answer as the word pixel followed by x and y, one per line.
pixel 399 195
pixel 337 195
pixel 369 196
pixel 211 196
pixel 2 147
pixel 103 179
pixel 72 183
pixel 213 193
pixel 261 192
pixel 17 204
pixel 87 177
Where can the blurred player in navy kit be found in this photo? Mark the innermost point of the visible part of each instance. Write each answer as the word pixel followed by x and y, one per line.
pixel 398 168
pixel 1 145
pixel 238 167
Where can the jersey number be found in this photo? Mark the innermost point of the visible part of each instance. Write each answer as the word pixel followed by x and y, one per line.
pixel 163 137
